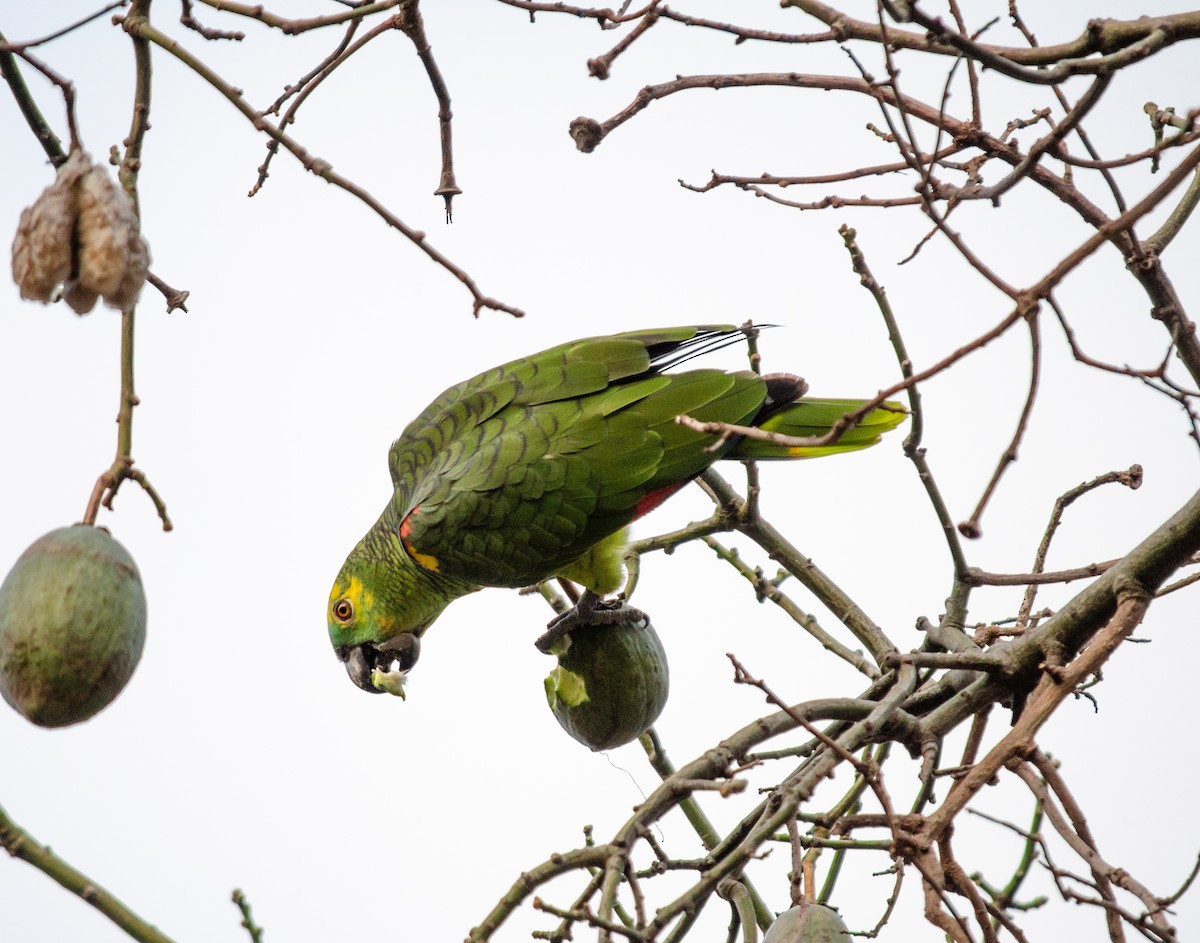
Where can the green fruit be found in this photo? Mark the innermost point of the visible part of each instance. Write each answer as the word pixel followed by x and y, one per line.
pixel 808 923
pixel 610 684
pixel 72 626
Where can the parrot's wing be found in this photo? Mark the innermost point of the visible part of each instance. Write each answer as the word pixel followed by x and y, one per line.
pixel 569 371
pixel 522 494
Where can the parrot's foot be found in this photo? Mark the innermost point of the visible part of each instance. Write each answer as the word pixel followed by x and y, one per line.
pixel 590 610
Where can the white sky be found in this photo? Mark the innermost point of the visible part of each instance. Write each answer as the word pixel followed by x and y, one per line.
pixel 240 754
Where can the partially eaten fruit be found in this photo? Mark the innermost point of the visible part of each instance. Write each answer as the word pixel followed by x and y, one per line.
pixel 72 626
pixel 610 684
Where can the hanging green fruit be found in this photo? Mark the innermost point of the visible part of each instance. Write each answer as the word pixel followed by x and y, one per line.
pixel 72 626
pixel 808 923
pixel 610 684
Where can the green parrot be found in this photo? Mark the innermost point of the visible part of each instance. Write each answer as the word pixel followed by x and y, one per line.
pixel 535 468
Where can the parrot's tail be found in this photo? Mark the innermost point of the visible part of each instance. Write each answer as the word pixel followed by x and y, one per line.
pixel 809 418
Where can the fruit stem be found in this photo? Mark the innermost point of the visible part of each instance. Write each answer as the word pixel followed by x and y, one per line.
pixel 109 482
pixel 128 397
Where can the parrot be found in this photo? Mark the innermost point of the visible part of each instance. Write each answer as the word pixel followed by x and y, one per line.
pixel 536 468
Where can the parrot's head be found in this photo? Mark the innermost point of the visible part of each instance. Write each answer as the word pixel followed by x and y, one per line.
pixel 378 609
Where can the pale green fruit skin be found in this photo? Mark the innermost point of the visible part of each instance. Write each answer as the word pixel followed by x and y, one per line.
pixel 814 923
pixel 624 670
pixel 72 626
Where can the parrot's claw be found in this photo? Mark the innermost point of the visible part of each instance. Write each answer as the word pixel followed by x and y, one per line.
pixel 590 610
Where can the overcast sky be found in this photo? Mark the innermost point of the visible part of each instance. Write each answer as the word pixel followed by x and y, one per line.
pixel 240 754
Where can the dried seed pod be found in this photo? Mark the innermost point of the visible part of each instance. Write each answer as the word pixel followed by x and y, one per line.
pixel 137 267
pixel 81 299
pixel 83 233
pixel 42 249
pixel 106 229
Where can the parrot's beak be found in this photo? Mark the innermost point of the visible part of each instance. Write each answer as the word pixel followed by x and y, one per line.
pixel 362 661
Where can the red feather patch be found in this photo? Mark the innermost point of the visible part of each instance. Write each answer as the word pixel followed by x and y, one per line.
pixel 655 498
pixel 406 527
pixel 427 560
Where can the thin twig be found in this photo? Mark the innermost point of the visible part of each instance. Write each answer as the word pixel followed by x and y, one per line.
pixel 316 165
pixel 252 928
pixel 21 845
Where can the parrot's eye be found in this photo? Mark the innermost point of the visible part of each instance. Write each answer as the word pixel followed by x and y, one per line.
pixel 343 610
